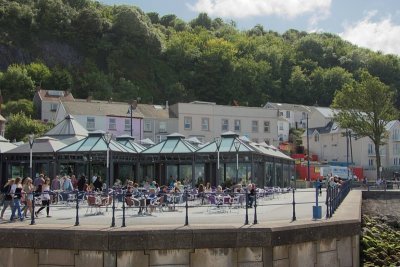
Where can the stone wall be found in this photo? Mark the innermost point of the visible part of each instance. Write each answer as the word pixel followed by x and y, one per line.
pixel 332 242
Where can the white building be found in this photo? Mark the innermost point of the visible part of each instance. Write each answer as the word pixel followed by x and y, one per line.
pixel 206 120
pixel 46 103
pixel 329 143
pixel 296 114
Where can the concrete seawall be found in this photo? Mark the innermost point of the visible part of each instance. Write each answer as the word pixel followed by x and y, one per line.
pixel 332 242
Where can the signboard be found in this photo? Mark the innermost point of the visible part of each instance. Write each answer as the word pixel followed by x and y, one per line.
pixel 335 170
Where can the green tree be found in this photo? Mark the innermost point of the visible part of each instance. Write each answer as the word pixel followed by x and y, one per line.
pixel 202 20
pixel 24 106
pixel 19 126
pixel 39 73
pixel 16 83
pixel 366 107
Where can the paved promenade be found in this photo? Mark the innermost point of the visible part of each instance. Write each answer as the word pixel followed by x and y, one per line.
pixel 274 209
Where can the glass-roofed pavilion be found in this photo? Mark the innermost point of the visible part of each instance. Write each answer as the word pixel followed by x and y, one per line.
pixel 89 156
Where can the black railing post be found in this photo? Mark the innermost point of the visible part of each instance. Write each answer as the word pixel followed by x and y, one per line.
pixel 113 209
pixel 77 209
pixel 123 209
pixel 187 209
pixel 255 208
pixel 294 206
pixel 247 208
pixel 327 202
pixel 33 209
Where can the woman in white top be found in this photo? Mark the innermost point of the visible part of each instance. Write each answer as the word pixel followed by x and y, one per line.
pixel 45 198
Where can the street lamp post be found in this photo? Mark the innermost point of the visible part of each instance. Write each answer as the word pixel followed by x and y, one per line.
pixel 31 141
pixel 107 138
pixel 237 144
pixel 132 108
pixel 218 142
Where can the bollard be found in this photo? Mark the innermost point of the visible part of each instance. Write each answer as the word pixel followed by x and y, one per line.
pixel 77 209
pixel 247 208
pixel 123 209
pixel 255 209
pixel 33 209
pixel 187 209
pixel 113 208
pixel 294 207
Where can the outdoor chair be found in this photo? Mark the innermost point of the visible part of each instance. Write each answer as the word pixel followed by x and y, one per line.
pixel 215 205
pixel 94 202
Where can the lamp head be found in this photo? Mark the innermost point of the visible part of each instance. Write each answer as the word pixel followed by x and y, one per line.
pixel 108 137
pixel 31 138
pixel 218 141
pixel 237 144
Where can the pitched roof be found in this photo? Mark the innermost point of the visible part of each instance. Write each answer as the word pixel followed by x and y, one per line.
pixel 174 144
pixel 68 127
pixel 117 109
pixel 95 141
pixel 54 95
pixel 43 144
pixel 328 128
pixel 287 106
pixel 129 142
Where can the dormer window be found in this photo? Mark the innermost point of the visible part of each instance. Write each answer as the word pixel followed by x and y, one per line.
pixel 316 137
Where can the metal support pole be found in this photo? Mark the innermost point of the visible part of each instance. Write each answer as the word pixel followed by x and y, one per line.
pixel 113 209
pixel 33 209
pixel 187 209
pixel 123 209
pixel 327 202
pixel 308 153
pixel 347 153
pixel 247 208
pixel 294 207
pixel 255 208
pixel 77 209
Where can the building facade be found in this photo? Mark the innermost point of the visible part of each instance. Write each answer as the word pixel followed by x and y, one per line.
pixel 46 103
pixel 206 120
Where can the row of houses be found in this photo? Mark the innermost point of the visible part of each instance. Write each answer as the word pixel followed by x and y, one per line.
pixel 205 120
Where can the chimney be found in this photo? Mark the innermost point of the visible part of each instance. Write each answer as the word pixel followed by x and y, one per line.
pixel 89 98
pixel 166 104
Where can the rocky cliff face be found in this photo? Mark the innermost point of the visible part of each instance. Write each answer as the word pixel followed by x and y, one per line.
pixel 52 53
pixel 380 236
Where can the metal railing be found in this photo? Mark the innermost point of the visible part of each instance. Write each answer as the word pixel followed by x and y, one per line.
pixel 246 204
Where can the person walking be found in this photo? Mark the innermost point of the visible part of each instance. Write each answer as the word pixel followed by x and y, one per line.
pixel 8 199
pixel 45 198
pixel 28 189
pixel 16 193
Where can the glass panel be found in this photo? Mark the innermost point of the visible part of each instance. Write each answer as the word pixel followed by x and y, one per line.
pixel 73 147
pixel 199 175
pixel 269 174
pixel 154 149
pixel 279 177
pixel 169 146
pixel 182 148
pixel 226 145
pixel 172 173
pixel 185 173
pixel 88 144
pixel 100 146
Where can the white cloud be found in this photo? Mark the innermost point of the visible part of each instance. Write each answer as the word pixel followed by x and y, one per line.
pixel 238 9
pixel 382 35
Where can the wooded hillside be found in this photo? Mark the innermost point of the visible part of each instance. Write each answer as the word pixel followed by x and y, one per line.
pixel 120 52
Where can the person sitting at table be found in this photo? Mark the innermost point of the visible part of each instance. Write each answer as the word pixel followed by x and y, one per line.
pixel 219 190
pixel 208 188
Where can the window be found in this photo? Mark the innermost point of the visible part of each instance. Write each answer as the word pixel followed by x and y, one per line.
pixel 395 134
pixel 237 126
pixel 112 124
pixel 396 149
pixel 316 137
pixel 280 126
pixel 187 123
pixel 90 123
pixel 280 114
pixel 160 138
pixel 254 126
pixel 287 113
pixel 395 161
pixel 266 126
pixel 53 106
pixel 370 149
pixel 128 125
pixel 205 124
pixel 147 126
pixel 163 127
pixel 370 162
pixel 225 125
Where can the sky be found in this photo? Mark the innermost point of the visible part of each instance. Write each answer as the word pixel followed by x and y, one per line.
pixel 373 24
